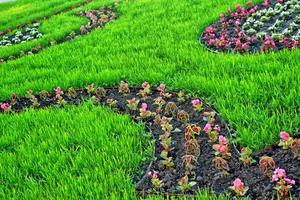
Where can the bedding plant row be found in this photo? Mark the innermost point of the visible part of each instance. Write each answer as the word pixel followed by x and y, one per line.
pixel 192 143
pixel 270 26
pixel 96 19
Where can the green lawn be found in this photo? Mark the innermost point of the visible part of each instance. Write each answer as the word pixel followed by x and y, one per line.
pixel 153 40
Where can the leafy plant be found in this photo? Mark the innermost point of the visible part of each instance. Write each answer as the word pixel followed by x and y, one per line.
pixel 133 103
pixel 72 93
pixel 44 94
pixel 14 99
pixel 156 182
pixel 123 88
pixel 183 116
pixel 111 102
pixel 181 97
pixel 197 105
pixel 285 140
pixel 146 90
pixel 246 156
pixel 144 112
pixel 167 161
pixel 266 165
pixel 221 164
pixel 185 185
pixel 239 187
pixel 100 92
pixel 171 109
pixel 222 149
pixel 159 101
pixel 189 162
pixel 90 89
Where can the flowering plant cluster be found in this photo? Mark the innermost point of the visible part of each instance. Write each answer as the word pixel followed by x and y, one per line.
pixel 162 91
pixel 144 112
pixel 239 187
pixel 133 103
pixel 256 28
pixel 34 101
pixel 197 105
pixel 5 107
pixel 146 90
pixel 97 18
pixel 222 153
pixel 283 183
pixel 21 36
pixel 212 131
pixel 288 142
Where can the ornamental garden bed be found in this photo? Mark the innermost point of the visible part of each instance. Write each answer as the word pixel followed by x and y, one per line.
pixel 270 26
pixel 194 148
pixel 97 19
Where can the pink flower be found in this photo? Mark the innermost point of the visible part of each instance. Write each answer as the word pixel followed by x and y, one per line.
pixel 217 128
pixel 222 148
pixel 145 85
pixel 195 102
pixel 207 128
pixel 222 140
pixel 89 15
pixel 278 174
pixel 290 181
pixel 144 107
pixel 58 91
pixel 238 184
pixel 284 136
pixel 161 87
pixel 5 107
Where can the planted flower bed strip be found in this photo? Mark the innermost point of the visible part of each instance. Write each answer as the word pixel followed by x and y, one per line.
pixel 192 143
pixel 270 26
pixel 97 19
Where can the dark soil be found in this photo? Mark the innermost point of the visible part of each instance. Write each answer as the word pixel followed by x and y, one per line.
pixel 255 45
pixel 205 175
pixel 97 19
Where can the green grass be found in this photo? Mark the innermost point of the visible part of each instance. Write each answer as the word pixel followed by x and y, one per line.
pixel 157 41
pixel 13 14
pixel 93 156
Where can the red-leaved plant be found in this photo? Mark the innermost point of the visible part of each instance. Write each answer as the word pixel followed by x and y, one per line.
pixel 266 165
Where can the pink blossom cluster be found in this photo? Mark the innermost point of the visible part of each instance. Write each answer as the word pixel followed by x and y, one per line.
pixel 280 174
pixel 5 107
pixel 228 35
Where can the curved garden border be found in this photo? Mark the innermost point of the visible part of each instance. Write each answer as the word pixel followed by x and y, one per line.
pixel 193 148
pixel 270 26
pixel 97 19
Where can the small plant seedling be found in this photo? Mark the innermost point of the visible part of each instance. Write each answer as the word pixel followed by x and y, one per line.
pixel 185 185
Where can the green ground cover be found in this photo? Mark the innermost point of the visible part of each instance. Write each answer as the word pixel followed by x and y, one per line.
pixel 153 40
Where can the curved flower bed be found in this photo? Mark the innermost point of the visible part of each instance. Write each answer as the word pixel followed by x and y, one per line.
pixel 193 147
pixel 97 19
pixel 26 34
pixel 270 26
